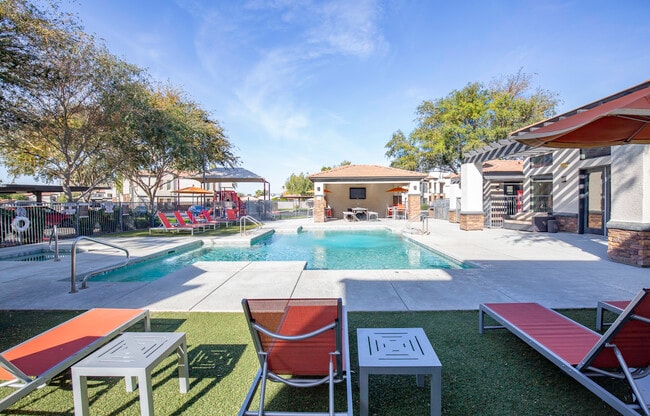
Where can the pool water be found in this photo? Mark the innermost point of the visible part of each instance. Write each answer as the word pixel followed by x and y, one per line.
pixel 333 250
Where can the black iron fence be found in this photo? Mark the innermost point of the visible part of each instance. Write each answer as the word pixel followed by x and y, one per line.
pixel 31 222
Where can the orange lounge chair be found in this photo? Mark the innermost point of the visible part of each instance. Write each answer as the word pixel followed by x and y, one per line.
pixel 36 361
pixel 301 343
pixel 623 352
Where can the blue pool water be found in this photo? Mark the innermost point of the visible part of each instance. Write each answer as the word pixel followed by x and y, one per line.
pixel 333 250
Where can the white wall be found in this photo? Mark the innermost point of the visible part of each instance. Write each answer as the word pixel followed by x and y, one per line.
pixel 631 183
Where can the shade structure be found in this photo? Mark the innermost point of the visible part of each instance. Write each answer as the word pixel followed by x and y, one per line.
pixel 194 190
pixel 622 118
pixel 397 189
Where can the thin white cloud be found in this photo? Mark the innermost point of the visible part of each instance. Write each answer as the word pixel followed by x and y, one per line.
pixel 262 54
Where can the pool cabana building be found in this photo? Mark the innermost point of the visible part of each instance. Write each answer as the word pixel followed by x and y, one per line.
pixel 367 186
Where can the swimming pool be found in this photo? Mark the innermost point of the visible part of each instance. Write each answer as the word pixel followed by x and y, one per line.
pixel 331 250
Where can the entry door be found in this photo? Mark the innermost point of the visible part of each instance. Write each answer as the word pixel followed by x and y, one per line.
pixel 594 212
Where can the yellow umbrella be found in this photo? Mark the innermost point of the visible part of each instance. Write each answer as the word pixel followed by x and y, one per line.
pixel 193 190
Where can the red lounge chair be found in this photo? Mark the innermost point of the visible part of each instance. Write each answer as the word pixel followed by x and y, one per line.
pixel 168 227
pixel 36 361
pixel 231 215
pixel 202 222
pixel 623 352
pixel 182 224
pixel 206 215
pixel 301 343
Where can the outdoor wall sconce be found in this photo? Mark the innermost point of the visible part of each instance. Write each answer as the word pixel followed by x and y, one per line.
pixel 318 188
pixel 563 179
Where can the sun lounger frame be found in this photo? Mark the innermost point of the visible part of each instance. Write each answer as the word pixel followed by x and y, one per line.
pixel 26 384
pixel 583 372
pixel 614 306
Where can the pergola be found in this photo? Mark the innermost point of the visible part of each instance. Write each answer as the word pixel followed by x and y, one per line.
pixel 233 175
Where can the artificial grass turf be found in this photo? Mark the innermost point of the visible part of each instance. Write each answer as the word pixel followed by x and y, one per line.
pixel 490 374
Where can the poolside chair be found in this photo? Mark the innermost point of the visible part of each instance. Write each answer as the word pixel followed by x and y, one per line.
pixel 167 226
pixel 206 215
pixel 182 224
pixel 231 215
pixel 202 221
pixel 35 362
pixel 623 352
pixel 301 343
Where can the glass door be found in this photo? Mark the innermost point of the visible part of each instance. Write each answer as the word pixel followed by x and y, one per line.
pixel 594 210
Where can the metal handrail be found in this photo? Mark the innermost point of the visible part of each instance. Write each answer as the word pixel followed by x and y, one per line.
pixel 54 234
pixel 242 223
pixel 73 262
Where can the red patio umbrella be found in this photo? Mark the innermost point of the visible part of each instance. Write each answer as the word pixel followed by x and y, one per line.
pixel 622 118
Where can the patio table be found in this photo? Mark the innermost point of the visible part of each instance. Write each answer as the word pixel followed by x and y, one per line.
pixel 131 355
pixel 397 351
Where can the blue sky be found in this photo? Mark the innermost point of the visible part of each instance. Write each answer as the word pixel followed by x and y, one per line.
pixel 303 84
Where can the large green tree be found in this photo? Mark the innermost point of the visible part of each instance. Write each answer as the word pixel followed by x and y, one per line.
pixel 163 133
pixel 298 184
pixel 467 119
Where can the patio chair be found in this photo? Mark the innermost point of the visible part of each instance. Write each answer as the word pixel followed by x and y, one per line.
pixel 623 352
pixel 206 215
pixel 301 343
pixel 182 224
pixel 167 226
pixel 231 215
pixel 35 362
pixel 202 221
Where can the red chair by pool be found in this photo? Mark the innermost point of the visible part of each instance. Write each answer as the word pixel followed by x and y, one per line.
pixel 623 352
pixel 301 343
pixel 36 361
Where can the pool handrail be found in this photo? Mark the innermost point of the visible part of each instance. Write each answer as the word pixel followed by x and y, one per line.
pixel 242 224
pixel 73 262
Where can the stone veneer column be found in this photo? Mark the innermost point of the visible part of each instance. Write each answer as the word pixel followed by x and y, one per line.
pixel 319 209
pixel 471 191
pixel 629 227
pixel 414 207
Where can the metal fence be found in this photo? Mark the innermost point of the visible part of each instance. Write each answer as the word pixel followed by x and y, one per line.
pixel 24 222
pixel 498 208
pixel 440 208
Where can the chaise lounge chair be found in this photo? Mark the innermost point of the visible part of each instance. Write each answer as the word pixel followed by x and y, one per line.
pixel 206 215
pixel 182 224
pixel 36 361
pixel 301 343
pixel 167 226
pixel 623 352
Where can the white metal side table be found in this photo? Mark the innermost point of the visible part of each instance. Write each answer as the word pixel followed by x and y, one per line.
pixel 398 351
pixel 131 355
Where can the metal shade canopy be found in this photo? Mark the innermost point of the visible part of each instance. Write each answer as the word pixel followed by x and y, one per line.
pixel 228 175
pixel 194 190
pixel 397 189
pixel 622 118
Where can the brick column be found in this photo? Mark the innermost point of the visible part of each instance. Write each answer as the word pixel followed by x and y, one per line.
pixel 414 207
pixel 471 221
pixel 319 209
pixel 452 215
pixel 629 244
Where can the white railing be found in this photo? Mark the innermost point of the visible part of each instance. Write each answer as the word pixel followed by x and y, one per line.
pixel 247 218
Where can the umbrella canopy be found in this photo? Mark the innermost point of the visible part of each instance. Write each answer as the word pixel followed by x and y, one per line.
pixel 622 118
pixel 194 190
pixel 397 189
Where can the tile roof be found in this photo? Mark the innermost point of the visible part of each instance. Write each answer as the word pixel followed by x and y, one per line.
pixel 503 166
pixel 366 172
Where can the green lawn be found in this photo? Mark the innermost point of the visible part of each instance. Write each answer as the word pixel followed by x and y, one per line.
pixel 489 374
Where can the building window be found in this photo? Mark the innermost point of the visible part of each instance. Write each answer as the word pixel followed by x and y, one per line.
pixel 357 193
pixel 541 194
pixel 541 160
pixel 595 152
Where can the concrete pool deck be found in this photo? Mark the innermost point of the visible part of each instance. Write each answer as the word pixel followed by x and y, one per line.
pixel 557 270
